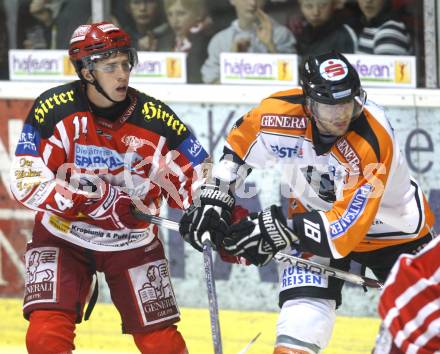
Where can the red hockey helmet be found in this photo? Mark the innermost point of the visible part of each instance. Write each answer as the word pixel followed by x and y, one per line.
pixel 90 43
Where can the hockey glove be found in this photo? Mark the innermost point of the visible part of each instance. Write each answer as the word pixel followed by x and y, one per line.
pixel 260 236
pixel 238 213
pixel 113 210
pixel 213 215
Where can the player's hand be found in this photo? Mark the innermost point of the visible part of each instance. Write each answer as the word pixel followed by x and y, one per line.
pixel 213 214
pixel 238 213
pixel 260 236
pixel 264 31
pixel 113 209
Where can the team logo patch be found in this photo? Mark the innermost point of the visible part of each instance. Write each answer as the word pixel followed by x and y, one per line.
pixel 303 275
pixel 154 111
pixel 349 154
pixel 46 106
pixel 333 70
pixel 134 142
pixel 287 151
pixel 353 212
pixel 154 293
pixel 29 141
pixel 193 150
pixel 288 122
pixel 41 273
pixel 89 156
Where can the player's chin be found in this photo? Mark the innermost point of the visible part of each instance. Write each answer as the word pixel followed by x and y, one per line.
pixel 340 129
pixel 341 132
pixel 119 94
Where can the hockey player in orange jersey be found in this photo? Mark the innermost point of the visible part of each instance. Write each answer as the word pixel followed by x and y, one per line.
pixel 89 151
pixel 351 194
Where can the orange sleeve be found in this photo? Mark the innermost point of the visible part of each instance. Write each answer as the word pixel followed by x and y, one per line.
pixel 336 232
pixel 244 133
pixel 351 217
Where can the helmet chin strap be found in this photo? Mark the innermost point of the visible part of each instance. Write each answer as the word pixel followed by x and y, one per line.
pixel 326 138
pixel 98 87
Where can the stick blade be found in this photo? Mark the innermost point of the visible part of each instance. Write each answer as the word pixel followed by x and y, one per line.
pixel 372 283
pixel 252 341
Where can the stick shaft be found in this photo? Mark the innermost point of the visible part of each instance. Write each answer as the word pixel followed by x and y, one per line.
pixel 282 257
pixel 321 269
pixel 209 274
pixel 212 294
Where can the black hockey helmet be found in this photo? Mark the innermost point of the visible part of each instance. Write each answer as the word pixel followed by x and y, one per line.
pixel 328 80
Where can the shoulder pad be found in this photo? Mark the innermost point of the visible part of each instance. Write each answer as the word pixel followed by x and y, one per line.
pixel 57 103
pixel 156 116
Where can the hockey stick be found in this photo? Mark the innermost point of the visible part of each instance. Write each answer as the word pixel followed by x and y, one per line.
pixel 246 348
pixel 212 294
pixel 209 274
pixel 313 267
pixel 321 269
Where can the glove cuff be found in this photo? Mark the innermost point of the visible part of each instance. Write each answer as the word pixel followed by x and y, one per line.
pixel 212 195
pixel 274 216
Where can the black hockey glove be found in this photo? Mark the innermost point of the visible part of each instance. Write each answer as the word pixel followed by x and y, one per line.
pixel 260 236
pixel 213 215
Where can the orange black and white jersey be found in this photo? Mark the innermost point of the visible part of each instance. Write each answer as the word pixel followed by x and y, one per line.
pixel 353 194
pixel 147 151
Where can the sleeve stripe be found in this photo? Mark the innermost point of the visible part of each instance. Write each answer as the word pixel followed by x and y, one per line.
pixel 409 294
pixel 331 246
pixel 64 137
pixel 56 142
pixel 46 153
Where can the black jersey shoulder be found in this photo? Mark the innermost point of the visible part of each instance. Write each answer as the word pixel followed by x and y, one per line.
pixel 156 116
pixel 56 104
pixel 364 129
pixel 294 99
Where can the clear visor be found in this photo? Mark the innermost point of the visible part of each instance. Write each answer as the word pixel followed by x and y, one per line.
pixel 95 61
pixel 337 113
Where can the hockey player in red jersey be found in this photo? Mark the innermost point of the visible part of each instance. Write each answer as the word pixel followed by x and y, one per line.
pixel 410 304
pixel 352 197
pixel 89 151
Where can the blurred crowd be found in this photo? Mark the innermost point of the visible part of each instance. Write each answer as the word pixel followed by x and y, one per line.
pixel 205 28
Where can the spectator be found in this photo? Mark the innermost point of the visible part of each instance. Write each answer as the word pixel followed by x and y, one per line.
pixel 189 32
pixel 222 14
pixel 252 31
pixel 148 23
pixel 47 24
pixel 68 15
pixel 38 32
pixel 323 31
pixel 279 10
pixel 382 31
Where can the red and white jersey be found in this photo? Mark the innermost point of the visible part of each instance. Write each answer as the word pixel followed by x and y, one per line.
pixel 354 194
pixel 147 152
pixel 410 302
